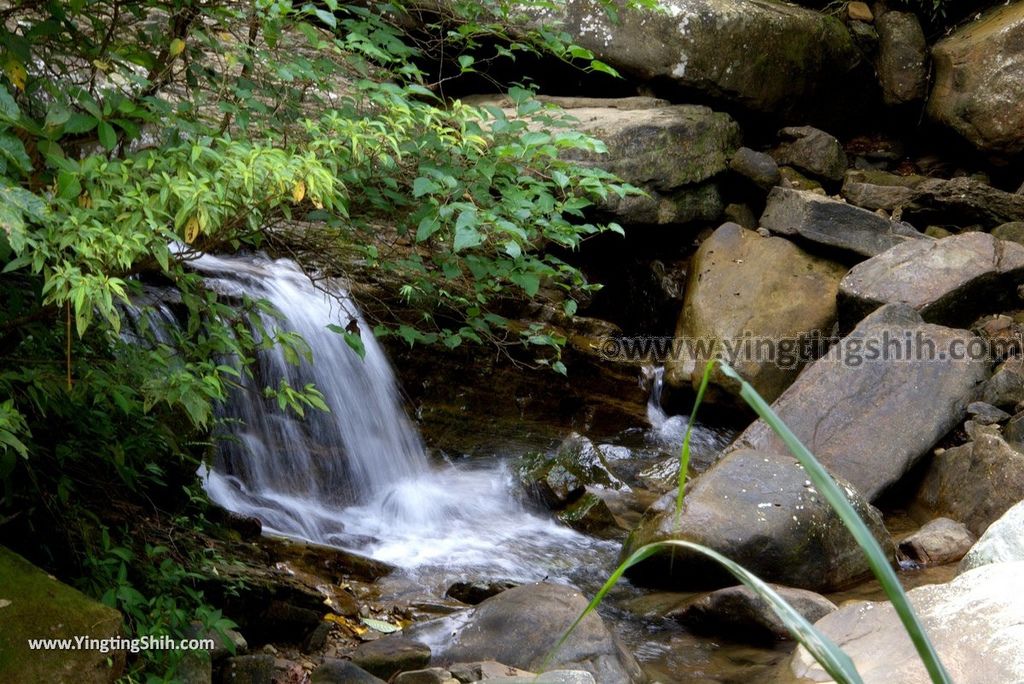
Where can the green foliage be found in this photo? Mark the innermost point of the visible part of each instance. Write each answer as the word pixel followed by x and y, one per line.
pixel 136 133
pixel 821 648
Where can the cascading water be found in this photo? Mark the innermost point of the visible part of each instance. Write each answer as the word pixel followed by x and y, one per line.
pixel 358 477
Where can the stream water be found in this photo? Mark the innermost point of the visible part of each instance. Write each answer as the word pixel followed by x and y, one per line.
pixel 358 477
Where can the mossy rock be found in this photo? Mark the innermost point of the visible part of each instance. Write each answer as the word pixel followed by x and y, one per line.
pixel 557 480
pixel 34 605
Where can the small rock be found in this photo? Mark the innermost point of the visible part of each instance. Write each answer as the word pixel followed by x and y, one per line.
pixel 317 638
pixel 485 671
pixel 590 514
pixel 859 11
pixel 390 655
pixel 740 214
pixel 431 675
pixel 1002 542
pixel 937 232
pixel 558 479
pixel 478 591
pixel 812 150
pixel 939 542
pixel 550 677
pixel 1012 231
pixel 249 669
pixel 759 167
pixel 986 414
pixel 334 671
pixel 1004 389
pixel 794 180
pixel 1013 431
pixel 738 613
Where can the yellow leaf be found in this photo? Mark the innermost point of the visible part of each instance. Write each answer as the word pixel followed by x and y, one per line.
pixel 16 72
pixel 176 48
pixel 84 201
pixel 191 230
pixel 299 191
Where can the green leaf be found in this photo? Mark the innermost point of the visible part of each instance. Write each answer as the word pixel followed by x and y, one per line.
pixel 108 138
pixel 12 149
pixel 326 17
pixel 530 282
pixel 466 234
pixel 80 123
pixel 9 110
pixel 424 186
pixel 379 625
pixel 68 186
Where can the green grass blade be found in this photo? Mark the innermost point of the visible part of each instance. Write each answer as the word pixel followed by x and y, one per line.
pixel 684 453
pixel 824 650
pixel 877 559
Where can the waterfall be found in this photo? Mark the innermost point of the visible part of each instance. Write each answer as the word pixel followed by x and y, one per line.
pixel 358 477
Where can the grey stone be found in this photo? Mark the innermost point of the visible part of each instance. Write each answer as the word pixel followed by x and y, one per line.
pixel 902 58
pixel 976 482
pixel 759 509
pixel 390 655
pixel 977 77
pixel 1004 389
pixel 1002 542
pixel 813 151
pixel 431 675
pixel 478 591
pixel 550 677
pixel 986 414
pixel 939 542
pixel 334 671
pixel 249 669
pixel 948 281
pixel 831 223
pixel 738 613
pixel 559 479
pixel 485 670
pixel 759 167
pixel 520 626
pixel 973 622
pixel 868 412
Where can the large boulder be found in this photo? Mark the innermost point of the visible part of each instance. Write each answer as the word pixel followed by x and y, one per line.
pixel 519 627
pixel 902 58
pixel 760 509
pixel 973 621
pixel 1002 542
pixel 743 288
pixel 771 57
pixel 832 224
pixel 959 201
pixel 34 605
pixel 979 81
pixel 974 483
pixel 739 613
pixel 671 151
pixel 948 281
pixel 878 401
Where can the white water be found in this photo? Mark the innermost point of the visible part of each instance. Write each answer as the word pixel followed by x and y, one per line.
pixel 358 477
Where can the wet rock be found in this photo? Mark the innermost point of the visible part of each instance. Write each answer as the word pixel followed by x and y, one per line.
pixel 759 167
pixel 977 73
pixel 590 514
pixel 728 49
pixel 947 281
pixel 334 671
pixel 1002 542
pixel 1013 432
pixel 485 671
pixel 476 592
pixel 560 479
pixel 795 295
pixel 867 412
pixel 830 223
pixel 390 655
pixel 249 669
pixel 1012 231
pixel 662 476
pixel 431 675
pixel 811 150
pixel 738 613
pixel 34 605
pixel 902 58
pixel 974 483
pixel 759 509
pixel 939 542
pixel 519 627
pixel 550 677
pixel 958 201
pixel 986 414
pixel 973 621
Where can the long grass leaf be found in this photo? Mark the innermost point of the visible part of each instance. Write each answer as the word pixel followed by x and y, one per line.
pixel 684 452
pixel 877 559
